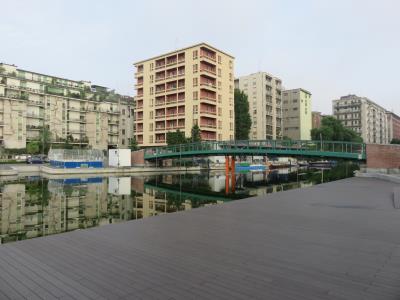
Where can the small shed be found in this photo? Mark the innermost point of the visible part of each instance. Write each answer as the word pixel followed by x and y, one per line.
pixel 119 157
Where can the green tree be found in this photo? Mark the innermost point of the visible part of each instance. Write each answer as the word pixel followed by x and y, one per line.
pixel 44 140
pixel 395 141
pixel 196 134
pixel 333 130
pixel 176 138
pixel 33 147
pixel 133 145
pixel 242 116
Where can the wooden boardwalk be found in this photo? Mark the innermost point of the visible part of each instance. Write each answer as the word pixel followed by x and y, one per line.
pixel 339 240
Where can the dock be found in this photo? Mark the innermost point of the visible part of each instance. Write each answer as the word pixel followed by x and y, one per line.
pixel 338 240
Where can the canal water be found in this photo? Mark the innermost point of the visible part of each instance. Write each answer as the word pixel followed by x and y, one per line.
pixel 34 206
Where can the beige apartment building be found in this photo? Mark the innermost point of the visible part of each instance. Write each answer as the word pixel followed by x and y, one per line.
pixel 182 88
pixel 265 104
pixel 363 116
pixel 297 114
pixel 85 114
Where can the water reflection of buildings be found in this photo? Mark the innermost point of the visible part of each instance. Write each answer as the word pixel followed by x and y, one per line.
pixel 38 207
pixel 44 207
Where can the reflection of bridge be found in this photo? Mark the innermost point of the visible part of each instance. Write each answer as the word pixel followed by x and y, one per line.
pixel 191 196
pixel 325 149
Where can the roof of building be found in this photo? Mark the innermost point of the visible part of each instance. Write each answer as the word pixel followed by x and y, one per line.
pixel 298 89
pixel 182 49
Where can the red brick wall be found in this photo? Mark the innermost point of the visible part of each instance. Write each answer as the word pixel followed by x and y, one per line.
pixel 383 156
pixel 137 157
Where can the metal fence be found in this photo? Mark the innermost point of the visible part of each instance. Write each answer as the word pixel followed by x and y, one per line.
pixel 76 158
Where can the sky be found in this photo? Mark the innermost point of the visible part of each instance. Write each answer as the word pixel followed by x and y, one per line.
pixel 328 47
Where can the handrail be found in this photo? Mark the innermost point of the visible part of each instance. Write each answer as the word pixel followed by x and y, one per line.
pixel 321 148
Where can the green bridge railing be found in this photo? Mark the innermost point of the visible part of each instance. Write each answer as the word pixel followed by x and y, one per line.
pixel 328 149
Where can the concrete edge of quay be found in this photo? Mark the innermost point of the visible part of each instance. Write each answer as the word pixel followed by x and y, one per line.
pixel 378 175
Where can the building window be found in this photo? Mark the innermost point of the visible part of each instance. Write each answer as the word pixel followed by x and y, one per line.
pixel 151 66
pixel 195 95
pixel 150 139
pixel 195 109
pixel 151 90
pixel 123 142
pixel 231 114
pixel 123 131
pixel 219 73
pixel 151 115
pixel 195 68
pixel 219 111
pixel 219 59
pixel 195 81
pixel 123 112
pixel 195 53
pixel 151 78
pixel 151 126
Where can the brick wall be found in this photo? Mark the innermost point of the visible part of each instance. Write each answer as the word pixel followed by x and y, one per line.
pixel 137 158
pixel 383 156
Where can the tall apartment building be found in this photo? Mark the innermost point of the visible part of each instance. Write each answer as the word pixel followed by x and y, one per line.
pixel 85 114
pixel 297 119
pixel 363 116
pixel 264 95
pixel 393 126
pixel 182 88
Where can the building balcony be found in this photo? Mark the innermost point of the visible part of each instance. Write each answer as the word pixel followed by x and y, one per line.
pixel 113 122
pixel 160 91
pixel 159 66
pixel 114 112
pixel 171 62
pixel 160 116
pixel 34 116
pixel 208 58
pixel 160 141
pixel 171 115
pixel 139 85
pixel 160 78
pixel 205 98
pixel 214 126
pixel 160 129
pixel 113 133
pixel 36 103
pixel 209 86
pixel 209 112
pixel 208 72
pixel 161 103
pixel 139 130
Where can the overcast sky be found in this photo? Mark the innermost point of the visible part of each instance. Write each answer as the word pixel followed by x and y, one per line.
pixel 331 48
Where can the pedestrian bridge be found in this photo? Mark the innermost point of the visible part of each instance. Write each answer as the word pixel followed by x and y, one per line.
pixel 319 149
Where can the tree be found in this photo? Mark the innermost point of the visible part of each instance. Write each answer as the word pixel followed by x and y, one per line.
pixel 242 116
pixel 395 141
pixel 333 130
pixel 33 147
pixel 196 134
pixel 133 145
pixel 175 138
pixel 44 140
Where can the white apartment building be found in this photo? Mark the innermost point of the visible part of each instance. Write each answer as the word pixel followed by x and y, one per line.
pixel 363 116
pixel 75 111
pixel 265 104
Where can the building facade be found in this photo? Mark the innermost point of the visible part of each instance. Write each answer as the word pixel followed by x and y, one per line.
pixel 77 111
pixel 265 104
pixel 182 88
pixel 316 119
pixel 363 116
pixel 393 126
pixel 297 120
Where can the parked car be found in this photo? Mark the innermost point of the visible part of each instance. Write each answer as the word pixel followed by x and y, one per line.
pixel 37 159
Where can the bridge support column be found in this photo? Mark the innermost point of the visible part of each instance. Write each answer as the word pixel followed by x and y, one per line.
pixel 233 175
pixel 226 174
